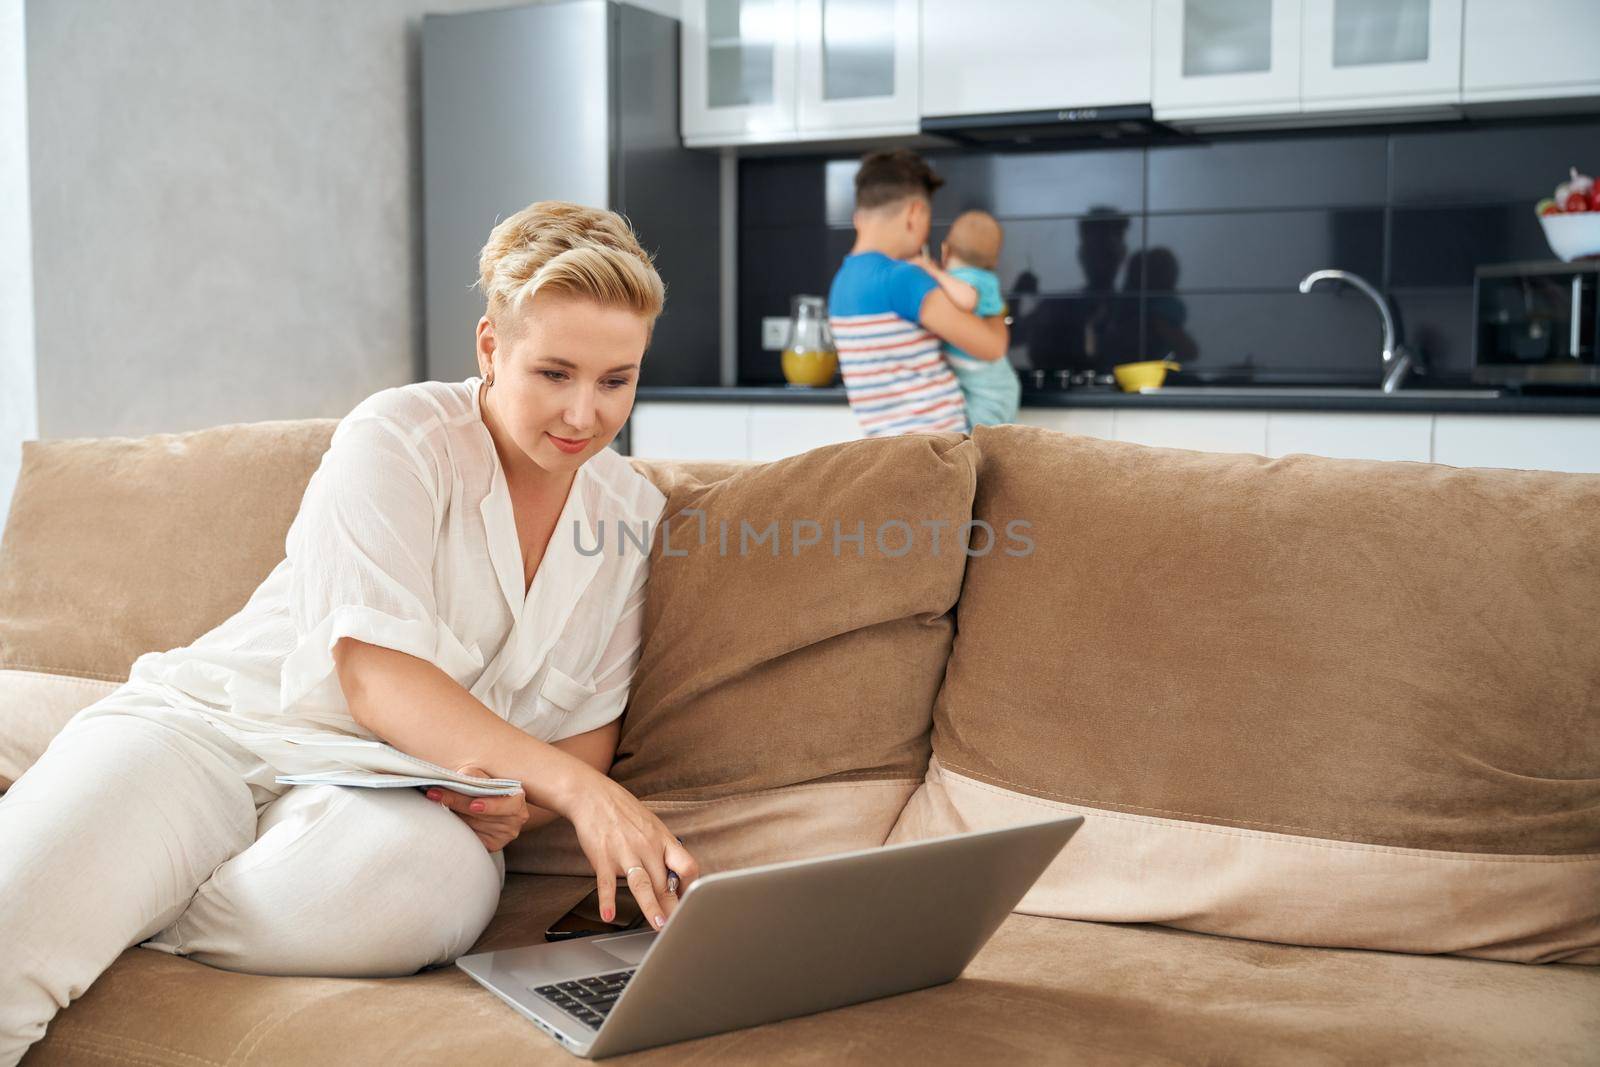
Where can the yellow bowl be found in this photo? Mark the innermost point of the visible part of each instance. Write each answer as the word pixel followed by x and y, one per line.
pixel 1133 377
pixel 813 367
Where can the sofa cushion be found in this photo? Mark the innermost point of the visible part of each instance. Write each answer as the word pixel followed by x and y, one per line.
pixel 782 702
pixel 119 546
pixel 1326 702
pixel 1041 991
pixel 34 706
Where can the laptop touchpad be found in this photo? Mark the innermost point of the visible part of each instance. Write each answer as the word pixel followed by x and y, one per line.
pixel 629 948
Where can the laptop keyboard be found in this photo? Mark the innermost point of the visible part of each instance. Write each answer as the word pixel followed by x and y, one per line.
pixel 588 1000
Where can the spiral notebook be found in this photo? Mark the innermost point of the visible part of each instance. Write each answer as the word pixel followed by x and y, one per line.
pixel 375 765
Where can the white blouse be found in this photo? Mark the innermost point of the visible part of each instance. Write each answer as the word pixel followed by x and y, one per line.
pixel 406 538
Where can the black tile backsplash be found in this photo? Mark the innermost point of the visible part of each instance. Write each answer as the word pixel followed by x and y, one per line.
pixel 1521 162
pixel 1065 256
pixel 1060 332
pixel 1253 174
pixel 1196 250
pixel 1026 184
pixel 1442 246
pixel 1266 249
pixel 1233 337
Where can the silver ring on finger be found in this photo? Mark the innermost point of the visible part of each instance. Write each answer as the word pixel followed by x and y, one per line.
pixel 629 872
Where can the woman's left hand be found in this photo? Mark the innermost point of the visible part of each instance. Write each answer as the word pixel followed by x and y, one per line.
pixel 497 821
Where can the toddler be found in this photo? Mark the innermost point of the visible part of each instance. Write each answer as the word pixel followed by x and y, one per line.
pixel 970 253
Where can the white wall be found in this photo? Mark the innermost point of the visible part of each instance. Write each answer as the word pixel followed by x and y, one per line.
pixel 18 412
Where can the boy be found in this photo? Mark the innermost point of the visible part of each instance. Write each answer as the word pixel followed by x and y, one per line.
pixel 889 316
pixel 990 387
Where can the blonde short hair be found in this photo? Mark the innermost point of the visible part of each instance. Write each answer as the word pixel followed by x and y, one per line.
pixel 568 248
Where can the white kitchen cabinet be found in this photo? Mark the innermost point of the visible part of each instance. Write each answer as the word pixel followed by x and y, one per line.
pixel 765 431
pixel 779 430
pixel 1383 53
pixel 718 430
pixel 1219 58
pixel 738 70
pixel 775 71
pixel 857 62
pixel 1201 431
pixel 1527 442
pixel 1086 422
pixel 1529 49
pixel 1023 55
pixel 1350 435
pixel 709 430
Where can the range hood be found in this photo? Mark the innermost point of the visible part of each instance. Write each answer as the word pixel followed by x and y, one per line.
pixel 1071 126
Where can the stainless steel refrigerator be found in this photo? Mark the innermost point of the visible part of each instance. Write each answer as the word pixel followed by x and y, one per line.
pixel 564 101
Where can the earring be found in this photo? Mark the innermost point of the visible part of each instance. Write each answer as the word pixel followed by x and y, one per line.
pixel 488 382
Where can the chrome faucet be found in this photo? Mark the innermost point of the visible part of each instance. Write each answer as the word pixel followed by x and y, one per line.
pixel 1397 358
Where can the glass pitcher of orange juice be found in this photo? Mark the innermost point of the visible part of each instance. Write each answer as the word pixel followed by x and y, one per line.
pixel 809 358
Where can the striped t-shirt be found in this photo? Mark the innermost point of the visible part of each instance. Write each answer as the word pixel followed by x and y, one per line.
pixel 894 372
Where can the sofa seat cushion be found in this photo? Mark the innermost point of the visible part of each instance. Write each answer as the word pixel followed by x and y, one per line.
pixel 796 626
pixel 1042 991
pixel 1326 702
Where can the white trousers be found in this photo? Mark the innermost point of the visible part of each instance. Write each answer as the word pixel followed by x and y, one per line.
pixel 145 825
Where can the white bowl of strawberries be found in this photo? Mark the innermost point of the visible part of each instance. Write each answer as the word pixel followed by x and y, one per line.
pixel 1571 218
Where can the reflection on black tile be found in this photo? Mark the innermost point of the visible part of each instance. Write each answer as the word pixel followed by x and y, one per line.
pixel 1266 249
pixel 1525 161
pixel 1039 183
pixel 1065 256
pixel 1443 246
pixel 1074 332
pixel 839 190
pixel 1438 324
pixel 1298 172
pixel 1320 336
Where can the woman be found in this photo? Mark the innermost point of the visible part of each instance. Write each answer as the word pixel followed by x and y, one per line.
pixel 434 596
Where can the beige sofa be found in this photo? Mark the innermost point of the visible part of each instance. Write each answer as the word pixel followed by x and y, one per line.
pixel 1334 725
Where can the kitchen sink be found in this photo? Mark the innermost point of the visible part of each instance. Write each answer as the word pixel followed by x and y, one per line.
pixel 1324 391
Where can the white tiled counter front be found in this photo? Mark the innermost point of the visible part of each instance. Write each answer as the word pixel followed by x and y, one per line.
pixel 1532 442
pixel 733 430
pixel 767 431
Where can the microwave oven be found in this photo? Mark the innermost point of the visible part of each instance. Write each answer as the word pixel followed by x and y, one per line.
pixel 1535 324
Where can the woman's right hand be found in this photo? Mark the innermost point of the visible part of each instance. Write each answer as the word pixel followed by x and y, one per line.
pixel 621 838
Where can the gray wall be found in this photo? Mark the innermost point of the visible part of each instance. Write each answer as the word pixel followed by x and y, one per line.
pixel 226 209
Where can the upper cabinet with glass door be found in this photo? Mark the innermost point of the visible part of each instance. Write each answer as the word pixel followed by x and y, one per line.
pixel 769 71
pixel 1226 58
pixel 738 82
pixel 858 67
pixel 1389 53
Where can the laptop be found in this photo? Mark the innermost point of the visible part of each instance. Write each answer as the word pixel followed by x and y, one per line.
pixel 767 943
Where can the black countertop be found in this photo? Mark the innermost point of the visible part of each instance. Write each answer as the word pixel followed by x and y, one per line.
pixel 1509 404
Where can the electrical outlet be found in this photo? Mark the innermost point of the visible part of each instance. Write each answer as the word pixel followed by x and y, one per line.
pixel 774 333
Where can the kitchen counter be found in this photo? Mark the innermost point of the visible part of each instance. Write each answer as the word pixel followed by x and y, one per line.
pixel 1229 399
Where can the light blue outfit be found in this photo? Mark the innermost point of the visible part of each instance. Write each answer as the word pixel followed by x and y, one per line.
pixel 991 387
